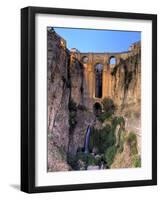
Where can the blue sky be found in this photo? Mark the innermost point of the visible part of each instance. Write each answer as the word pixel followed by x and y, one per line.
pixel 88 40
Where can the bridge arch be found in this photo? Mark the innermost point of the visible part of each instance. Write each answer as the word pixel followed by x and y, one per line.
pixel 112 60
pixel 85 59
pixel 97 108
pixel 98 79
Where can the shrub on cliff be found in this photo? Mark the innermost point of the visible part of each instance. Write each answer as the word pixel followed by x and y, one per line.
pixel 72 114
pixel 110 154
pixel 108 104
pixel 121 141
pixel 109 109
pixel 132 142
pixel 118 121
pixel 136 161
pixel 102 138
pixel 82 160
pixel 104 116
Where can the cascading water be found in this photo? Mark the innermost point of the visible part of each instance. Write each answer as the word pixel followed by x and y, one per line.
pixel 86 144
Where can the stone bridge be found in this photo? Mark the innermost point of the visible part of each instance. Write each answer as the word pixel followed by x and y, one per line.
pixel 97 72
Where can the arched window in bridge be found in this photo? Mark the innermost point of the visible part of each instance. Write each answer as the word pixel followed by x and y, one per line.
pixel 98 80
pixel 112 60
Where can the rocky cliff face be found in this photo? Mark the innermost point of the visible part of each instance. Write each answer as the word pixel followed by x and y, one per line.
pixel 82 115
pixel 76 79
pixel 58 98
pixel 65 84
pixel 126 82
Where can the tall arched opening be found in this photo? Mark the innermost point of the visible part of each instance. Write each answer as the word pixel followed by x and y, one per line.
pixel 112 60
pixel 98 80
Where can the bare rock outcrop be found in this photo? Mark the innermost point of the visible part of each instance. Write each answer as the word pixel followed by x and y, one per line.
pixel 126 83
pixel 126 87
pixel 58 95
pixel 76 79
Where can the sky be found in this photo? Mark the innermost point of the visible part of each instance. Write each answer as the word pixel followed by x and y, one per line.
pixel 90 40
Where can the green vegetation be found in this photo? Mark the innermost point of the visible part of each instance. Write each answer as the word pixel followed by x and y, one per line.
pixel 102 138
pixel 92 160
pixel 86 159
pixel 132 141
pixel 109 109
pixel 119 120
pixel 108 105
pixel 136 160
pixel 103 149
pixel 72 161
pixel 121 141
pixel 105 116
pixel 72 114
pixel 110 154
pixel 102 142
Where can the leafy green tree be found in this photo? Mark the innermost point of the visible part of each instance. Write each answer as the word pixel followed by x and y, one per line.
pixel 108 105
pixel 110 154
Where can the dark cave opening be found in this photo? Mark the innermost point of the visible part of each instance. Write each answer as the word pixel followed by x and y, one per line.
pixel 97 108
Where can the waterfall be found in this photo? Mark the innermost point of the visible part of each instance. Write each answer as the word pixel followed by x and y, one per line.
pixel 86 145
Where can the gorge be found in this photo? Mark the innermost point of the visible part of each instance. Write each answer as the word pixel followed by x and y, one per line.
pixel 94 107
